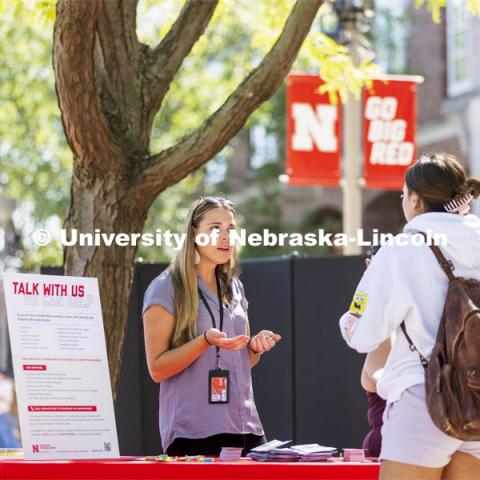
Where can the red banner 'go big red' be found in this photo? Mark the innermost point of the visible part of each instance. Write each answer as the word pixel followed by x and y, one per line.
pixel 313 133
pixel 389 120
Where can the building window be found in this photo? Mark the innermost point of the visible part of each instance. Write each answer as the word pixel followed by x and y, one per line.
pixel 390 34
pixel 264 146
pixel 459 49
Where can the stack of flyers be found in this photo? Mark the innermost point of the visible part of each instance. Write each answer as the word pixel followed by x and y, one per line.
pixel 283 455
pixel 314 452
pixel 304 453
pixel 354 454
pixel 262 452
pixel 259 456
pixel 266 447
pixel 230 454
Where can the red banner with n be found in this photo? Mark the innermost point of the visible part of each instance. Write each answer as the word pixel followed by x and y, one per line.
pixel 313 133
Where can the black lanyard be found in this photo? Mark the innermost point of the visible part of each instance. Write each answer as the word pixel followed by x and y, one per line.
pixel 220 302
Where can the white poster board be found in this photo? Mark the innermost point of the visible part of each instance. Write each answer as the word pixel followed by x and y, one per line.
pixel 61 369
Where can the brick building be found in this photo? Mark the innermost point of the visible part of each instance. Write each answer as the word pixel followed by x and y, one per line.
pixel 406 40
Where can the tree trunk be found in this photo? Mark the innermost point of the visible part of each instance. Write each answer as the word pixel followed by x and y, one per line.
pixel 109 88
pixel 103 204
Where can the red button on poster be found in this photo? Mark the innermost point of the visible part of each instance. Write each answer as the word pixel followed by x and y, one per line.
pixel 35 367
pixel 62 408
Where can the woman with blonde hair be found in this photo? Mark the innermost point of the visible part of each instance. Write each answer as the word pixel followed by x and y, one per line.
pixel 198 342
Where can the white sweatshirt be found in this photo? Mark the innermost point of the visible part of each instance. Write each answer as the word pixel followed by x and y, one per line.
pixel 407 283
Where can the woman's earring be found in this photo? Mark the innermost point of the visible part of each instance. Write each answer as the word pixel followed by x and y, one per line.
pixel 197 257
pixel 232 262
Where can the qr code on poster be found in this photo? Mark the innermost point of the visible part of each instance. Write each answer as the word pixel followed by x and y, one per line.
pixel 107 446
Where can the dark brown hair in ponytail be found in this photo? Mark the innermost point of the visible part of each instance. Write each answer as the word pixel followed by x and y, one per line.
pixel 438 178
pixel 473 187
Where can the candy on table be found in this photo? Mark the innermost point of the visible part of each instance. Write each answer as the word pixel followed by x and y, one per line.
pixel 165 458
pixel 187 458
pixel 159 458
pixel 194 458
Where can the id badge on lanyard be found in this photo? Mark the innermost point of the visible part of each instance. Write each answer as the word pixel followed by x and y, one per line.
pixel 218 386
pixel 219 378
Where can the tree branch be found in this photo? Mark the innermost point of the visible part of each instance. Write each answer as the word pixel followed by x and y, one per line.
pixel 117 70
pixel 192 151
pixel 167 57
pixel 118 20
pixel 85 125
pixel 116 29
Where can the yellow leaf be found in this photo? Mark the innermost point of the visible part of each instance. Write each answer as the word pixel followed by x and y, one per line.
pixel 337 70
pixel 436 6
pixel 46 9
pixel 473 7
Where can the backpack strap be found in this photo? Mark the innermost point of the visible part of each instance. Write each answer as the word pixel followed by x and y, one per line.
pixel 447 265
pixel 412 346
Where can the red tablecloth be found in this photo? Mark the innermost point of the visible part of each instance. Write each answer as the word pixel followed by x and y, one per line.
pixel 243 470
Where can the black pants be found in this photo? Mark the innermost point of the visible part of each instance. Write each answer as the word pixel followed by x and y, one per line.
pixel 212 445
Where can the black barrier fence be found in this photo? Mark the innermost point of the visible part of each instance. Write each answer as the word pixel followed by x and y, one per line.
pixel 307 389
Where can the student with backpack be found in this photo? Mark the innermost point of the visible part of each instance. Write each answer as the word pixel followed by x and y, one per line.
pixel 428 301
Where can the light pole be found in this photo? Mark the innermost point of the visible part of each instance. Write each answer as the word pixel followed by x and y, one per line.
pixel 353 21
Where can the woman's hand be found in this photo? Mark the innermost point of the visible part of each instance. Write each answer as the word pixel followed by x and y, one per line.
pixel 263 341
pixel 219 339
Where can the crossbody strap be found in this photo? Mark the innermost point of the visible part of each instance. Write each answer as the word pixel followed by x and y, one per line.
pixel 447 267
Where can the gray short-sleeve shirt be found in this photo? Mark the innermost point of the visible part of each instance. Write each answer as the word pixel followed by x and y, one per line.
pixel 160 292
pixel 184 408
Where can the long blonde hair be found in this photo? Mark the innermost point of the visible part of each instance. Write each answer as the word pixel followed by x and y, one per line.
pixel 184 274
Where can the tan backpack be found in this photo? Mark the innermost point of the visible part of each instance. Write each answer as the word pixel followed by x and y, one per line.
pixel 452 374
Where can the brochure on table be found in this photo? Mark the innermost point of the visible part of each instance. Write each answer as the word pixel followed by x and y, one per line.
pixel 61 369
